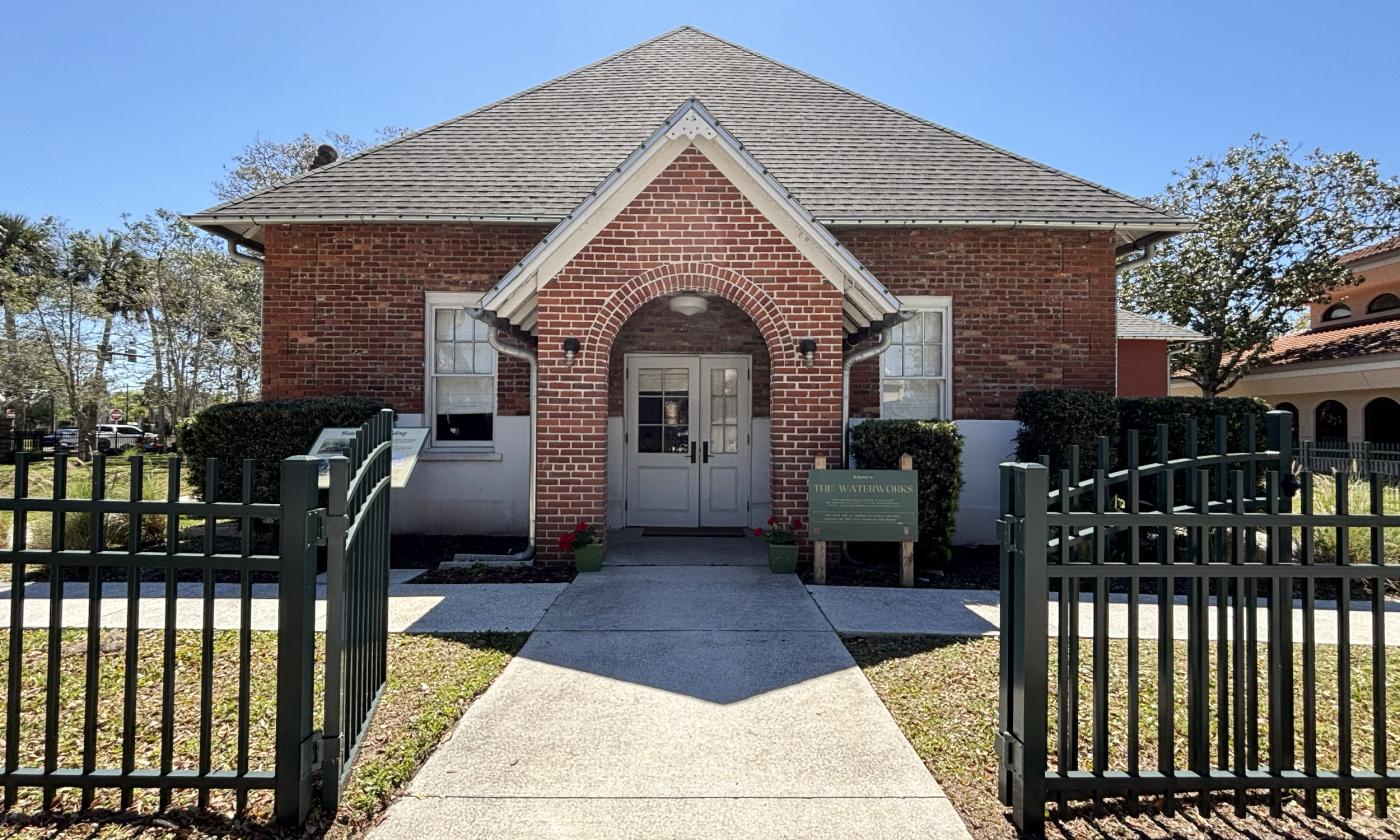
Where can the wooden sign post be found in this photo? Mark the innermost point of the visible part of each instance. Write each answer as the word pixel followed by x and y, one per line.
pixel 864 506
pixel 819 546
pixel 906 548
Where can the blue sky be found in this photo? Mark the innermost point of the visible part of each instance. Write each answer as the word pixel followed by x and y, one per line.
pixel 124 107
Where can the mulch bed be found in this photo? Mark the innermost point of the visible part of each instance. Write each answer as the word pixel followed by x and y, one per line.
pixel 426 551
pixel 482 573
pixel 877 564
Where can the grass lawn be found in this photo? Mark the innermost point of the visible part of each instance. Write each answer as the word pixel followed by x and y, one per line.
pixel 431 681
pixel 943 694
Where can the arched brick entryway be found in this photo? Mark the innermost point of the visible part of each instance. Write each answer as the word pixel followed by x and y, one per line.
pixel 805 399
pixel 689 229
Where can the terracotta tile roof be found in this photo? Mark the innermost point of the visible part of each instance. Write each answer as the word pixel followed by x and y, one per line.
pixel 1327 344
pixel 535 155
pixel 1376 250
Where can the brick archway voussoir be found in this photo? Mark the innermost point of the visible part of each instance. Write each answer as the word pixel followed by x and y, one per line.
pixel 665 279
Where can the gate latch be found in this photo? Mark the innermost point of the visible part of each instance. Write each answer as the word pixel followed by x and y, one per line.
pixel 316 527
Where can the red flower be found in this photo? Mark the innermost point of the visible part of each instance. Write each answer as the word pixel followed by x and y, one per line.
pixel 566 542
pixel 758 532
pixel 581 526
pixel 772 520
pixel 796 523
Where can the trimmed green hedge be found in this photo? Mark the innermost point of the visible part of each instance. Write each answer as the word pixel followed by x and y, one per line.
pixel 266 431
pixel 937 451
pixel 1054 419
pixel 1144 413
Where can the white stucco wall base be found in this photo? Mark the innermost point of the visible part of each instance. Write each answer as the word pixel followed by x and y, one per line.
pixel 986 444
pixel 488 493
pixel 485 493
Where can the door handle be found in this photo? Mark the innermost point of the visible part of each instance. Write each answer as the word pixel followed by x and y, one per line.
pixel 705 452
pixel 692 452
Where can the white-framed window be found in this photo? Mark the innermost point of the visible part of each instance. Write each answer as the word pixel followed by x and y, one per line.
pixel 460 392
pixel 915 373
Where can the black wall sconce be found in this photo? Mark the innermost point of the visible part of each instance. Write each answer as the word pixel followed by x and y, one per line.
pixel 807 348
pixel 571 348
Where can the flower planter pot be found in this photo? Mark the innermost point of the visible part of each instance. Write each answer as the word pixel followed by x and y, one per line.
pixel 782 559
pixel 589 558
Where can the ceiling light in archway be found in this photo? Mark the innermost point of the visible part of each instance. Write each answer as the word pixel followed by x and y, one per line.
pixel 689 305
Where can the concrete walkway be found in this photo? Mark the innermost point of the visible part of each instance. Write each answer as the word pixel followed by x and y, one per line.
pixel 413 608
pixel 677 702
pixel 855 610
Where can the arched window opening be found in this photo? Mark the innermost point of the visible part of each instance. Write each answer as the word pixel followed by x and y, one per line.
pixel 1331 420
pixel 1291 409
pixel 1337 312
pixel 1383 303
pixel 1383 421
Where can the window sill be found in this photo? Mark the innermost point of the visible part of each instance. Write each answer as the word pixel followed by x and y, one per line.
pixel 459 455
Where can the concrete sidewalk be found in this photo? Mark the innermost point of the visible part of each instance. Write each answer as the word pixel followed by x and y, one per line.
pixel 677 702
pixel 413 608
pixel 855 610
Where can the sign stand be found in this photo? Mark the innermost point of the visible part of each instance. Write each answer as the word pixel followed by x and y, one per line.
pixel 819 546
pixel 906 548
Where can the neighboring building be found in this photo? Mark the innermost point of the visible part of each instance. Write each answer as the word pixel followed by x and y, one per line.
pixel 1341 376
pixel 691 238
pixel 1144 354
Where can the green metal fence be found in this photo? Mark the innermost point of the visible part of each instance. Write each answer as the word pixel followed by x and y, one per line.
pixel 1213 534
pixel 357 596
pixel 191 561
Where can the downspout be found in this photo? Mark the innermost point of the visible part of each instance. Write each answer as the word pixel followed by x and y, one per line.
pixel 489 319
pixel 239 256
pixel 850 360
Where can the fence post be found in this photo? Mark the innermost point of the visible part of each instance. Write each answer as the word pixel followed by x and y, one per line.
pixel 296 638
pixel 332 738
pixel 906 548
pixel 1028 689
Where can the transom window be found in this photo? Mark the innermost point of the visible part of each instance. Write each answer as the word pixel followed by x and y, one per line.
pixel 1383 303
pixel 1337 312
pixel 914 371
pixel 462 375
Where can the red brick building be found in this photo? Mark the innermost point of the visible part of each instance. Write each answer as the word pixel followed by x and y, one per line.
pixel 708 263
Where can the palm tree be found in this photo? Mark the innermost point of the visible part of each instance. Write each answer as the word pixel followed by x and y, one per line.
pixel 26 251
pixel 116 274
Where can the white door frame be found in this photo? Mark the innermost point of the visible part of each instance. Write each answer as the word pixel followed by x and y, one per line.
pixel 699 365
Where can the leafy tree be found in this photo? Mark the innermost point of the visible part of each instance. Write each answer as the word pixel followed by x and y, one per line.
pixel 201 317
pixel 26 253
pixel 266 163
pixel 114 273
pixel 1272 224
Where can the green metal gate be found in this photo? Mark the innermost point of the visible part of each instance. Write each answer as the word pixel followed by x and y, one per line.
pixel 1219 525
pixel 84 554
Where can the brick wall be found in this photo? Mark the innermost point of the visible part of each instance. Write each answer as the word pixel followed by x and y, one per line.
pixel 689 229
pixel 1142 368
pixel 343 305
pixel 1031 309
pixel 723 328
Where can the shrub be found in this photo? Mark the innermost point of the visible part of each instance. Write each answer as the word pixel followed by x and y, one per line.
pixel 1054 419
pixel 265 431
pixel 937 451
pixel 1144 413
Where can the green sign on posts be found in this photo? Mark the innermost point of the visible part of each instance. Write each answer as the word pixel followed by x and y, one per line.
pixel 863 505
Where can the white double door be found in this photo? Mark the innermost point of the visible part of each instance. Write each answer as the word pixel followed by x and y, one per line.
pixel 687 433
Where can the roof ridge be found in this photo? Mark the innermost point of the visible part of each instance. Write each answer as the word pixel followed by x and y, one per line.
pixel 473 112
pixel 901 112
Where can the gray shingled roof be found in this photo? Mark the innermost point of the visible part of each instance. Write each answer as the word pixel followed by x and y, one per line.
pixel 1133 325
pixel 536 155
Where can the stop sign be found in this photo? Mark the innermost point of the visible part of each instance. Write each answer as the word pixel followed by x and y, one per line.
pixel 116 415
